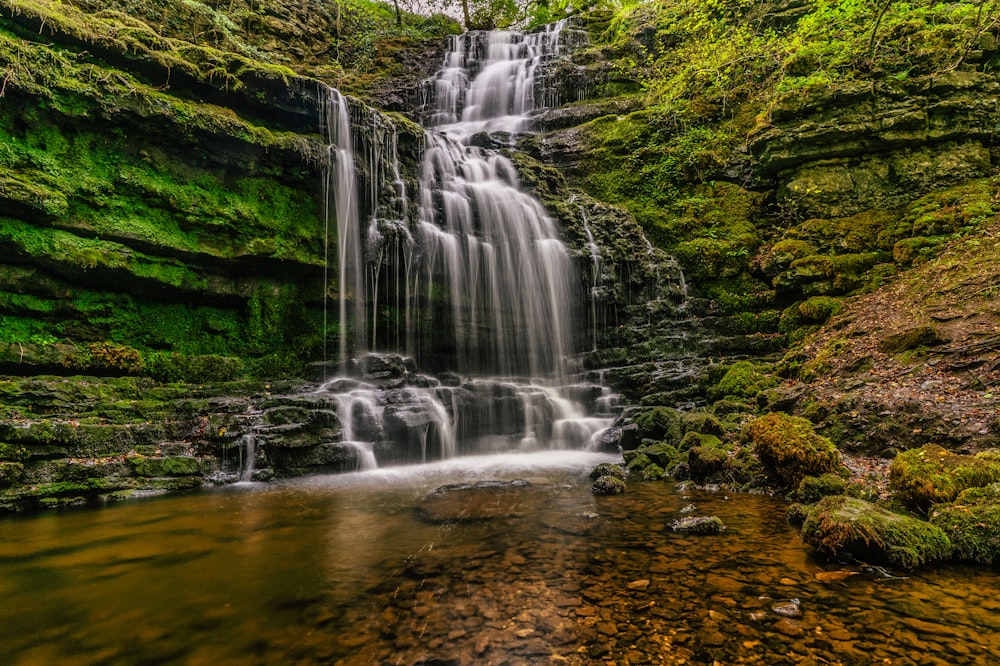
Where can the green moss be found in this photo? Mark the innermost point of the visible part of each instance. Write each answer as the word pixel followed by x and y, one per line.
pixel 607 469
pixel 11 474
pixel 705 462
pixel 972 523
pixel 796 514
pixel 842 525
pixel 819 308
pixel 657 423
pixel 167 466
pixel 811 489
pixel 931 475
pixel 743 379
pixel 790 448
pixel 608 485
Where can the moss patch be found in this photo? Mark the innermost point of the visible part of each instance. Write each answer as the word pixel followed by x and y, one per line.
pixel 841 525
pixel 931 475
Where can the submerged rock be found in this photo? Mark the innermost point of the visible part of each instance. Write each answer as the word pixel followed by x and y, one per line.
pixel 698 525
pixel 484 500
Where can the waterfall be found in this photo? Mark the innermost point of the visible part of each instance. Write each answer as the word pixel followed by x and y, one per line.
pixel 340 187
pixel 475 265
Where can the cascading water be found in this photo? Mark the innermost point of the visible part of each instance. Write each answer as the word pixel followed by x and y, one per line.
pixel 480 272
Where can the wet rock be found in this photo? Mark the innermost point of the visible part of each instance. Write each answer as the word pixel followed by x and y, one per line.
pixel 790 608
pixel 608 485
pixel 608 469
pixel 698 525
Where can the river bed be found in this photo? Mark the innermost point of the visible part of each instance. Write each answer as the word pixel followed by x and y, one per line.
pixel 360 569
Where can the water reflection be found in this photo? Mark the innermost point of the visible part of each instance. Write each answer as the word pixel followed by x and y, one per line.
pixel 344 569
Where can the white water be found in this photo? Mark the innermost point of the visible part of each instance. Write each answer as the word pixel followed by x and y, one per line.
pixel 480 271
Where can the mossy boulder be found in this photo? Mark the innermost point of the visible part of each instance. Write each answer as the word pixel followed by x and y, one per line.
pixel 743 379
pixel 972 523
pixel 608 469
pixel 812 489
pixel 704 462
pixel 790 448
pixel 658 423
pixel 932 475
pixel 650 460
pixel 797 513
pixel 841 525
pixel 819 308
pixel 608 485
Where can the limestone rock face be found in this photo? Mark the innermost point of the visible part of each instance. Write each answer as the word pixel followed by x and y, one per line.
pixel 840 151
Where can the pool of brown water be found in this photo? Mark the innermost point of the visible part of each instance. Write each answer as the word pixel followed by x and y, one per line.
pixel 360 569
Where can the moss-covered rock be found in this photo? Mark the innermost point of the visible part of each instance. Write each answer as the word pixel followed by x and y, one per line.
pixel 972 523
pixel 608 469
pixel 790 448
pixel 698 525
pixel 704 462
pixel 796 514
pixel 911 338
pixel 812 489
pixel 819 308
pixel 743 379
pixel 841 525
pixel 932 475
pixel 608 485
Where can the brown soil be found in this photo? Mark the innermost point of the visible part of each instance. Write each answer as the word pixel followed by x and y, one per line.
pixel 945 391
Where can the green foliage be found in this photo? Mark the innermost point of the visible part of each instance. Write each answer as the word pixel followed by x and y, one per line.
pixel 931 475
pixel 790 448
pixel 840 525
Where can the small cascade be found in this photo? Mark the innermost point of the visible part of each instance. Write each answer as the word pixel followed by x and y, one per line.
pixel 248 449
pixel 596 278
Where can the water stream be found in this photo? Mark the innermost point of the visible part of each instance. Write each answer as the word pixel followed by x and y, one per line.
pixel 361 569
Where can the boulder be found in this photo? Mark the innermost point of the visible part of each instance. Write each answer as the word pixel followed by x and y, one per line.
pixel 841 525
